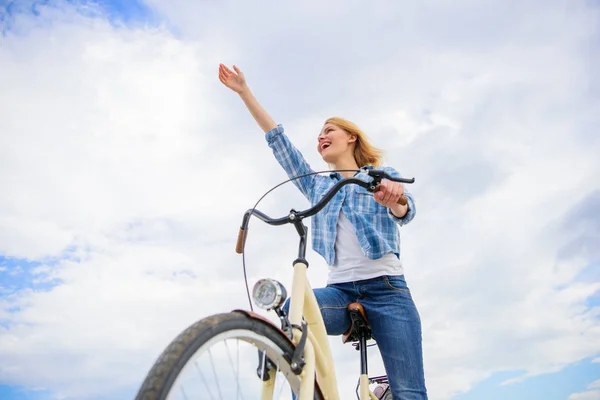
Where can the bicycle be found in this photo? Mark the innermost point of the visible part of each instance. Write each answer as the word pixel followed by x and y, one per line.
pixel 299 350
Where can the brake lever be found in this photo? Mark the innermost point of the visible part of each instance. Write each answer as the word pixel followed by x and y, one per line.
pixel 378 176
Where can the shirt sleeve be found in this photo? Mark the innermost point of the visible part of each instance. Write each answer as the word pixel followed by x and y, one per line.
pixel 292 161
pixel 410 213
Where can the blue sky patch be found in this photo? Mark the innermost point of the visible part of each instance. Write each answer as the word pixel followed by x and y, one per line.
pixel 12 392
pixel 555 386
pixel 593 301
pixel 591 273
pixel 129 12
pixel 17 274
pixel 9 392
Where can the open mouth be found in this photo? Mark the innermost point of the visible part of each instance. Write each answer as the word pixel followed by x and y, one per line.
pixel 325 145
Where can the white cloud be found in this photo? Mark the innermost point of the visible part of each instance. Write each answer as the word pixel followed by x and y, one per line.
pixel 589 394
pixel 121 145
pixel 106 124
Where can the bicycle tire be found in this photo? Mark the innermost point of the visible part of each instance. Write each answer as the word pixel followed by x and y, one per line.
pixel 163 374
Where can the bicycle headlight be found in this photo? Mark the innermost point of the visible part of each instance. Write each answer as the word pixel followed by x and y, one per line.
pixel 269 294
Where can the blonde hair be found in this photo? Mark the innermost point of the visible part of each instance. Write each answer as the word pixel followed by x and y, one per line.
pixel 364 152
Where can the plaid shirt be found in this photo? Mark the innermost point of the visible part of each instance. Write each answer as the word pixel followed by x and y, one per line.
pixel 376 227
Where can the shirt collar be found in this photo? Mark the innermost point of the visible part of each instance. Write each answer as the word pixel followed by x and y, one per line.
pixel 338 176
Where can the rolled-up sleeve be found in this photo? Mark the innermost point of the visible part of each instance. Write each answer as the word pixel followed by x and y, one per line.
pixel 292 161
pixel 412 210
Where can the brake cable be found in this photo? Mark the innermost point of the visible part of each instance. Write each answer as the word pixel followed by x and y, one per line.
pixel 256 205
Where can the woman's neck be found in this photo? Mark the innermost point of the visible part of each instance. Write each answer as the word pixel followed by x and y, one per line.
pixel 346 163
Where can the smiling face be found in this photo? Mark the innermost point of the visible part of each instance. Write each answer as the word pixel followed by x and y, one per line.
pixel 344 146
pixel 335 143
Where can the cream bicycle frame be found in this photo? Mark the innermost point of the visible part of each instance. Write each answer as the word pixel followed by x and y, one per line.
pixel 317 351
pixel 319 364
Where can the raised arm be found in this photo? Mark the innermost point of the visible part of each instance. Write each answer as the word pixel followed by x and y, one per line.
pixel 288 156
pixel 236 81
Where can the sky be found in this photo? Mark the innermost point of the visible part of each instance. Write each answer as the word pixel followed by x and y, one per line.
pixel 126 167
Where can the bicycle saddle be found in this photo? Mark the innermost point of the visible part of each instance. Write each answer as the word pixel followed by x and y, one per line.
pixel 359 325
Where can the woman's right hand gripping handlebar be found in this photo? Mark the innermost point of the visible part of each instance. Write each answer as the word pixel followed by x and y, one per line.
pixel 236 81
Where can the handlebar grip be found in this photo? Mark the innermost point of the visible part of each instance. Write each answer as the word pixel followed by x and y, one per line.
pixel 402 200
pixel 239 247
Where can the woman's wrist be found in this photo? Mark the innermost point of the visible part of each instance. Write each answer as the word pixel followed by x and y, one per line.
pixel 244 91
pixel 399 210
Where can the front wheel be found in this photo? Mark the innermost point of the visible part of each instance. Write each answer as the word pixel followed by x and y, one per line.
pixel 218 358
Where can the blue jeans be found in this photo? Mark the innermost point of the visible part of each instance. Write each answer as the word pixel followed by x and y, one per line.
pixel 395 324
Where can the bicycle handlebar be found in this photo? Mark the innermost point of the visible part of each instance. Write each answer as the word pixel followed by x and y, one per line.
pixel 294 216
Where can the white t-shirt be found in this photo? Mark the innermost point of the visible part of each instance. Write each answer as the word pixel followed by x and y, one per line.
pixel 350 262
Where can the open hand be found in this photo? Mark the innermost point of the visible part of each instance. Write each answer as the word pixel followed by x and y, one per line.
pixel 233 80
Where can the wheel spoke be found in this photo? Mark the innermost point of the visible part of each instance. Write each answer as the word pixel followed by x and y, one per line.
pixel 205 353
pixel 236 370
pixel 282 380
pixel 183 393
pixel 203 379
pixel 215 373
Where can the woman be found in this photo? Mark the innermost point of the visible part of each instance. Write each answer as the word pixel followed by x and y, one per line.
pixel 358 235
